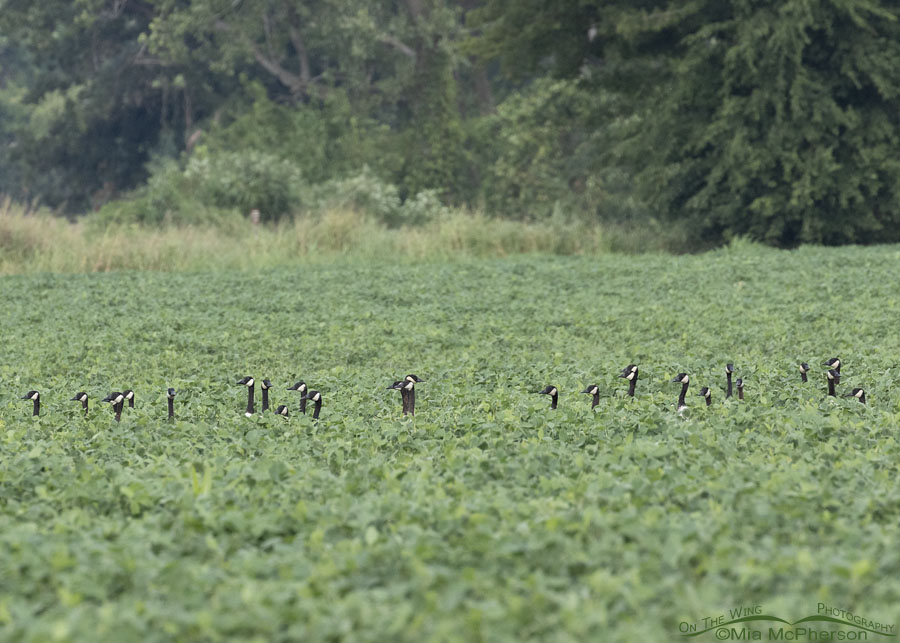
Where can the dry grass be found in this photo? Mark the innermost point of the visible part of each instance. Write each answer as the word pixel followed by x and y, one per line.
pixel 36 241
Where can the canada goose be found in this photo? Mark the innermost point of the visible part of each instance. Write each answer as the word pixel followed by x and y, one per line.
pixel 858 393
pixel 170 397
pixel 594 390
pixel 117 399
pixel 729 369
pixel 834 377
pixel 282 410
pixel 833 363
pixel 409 392
pixel 248 382
pixel 685 379
pixel 707 393
pixel 129 395
pixel 264 387
pixel 399 385
pixel 553 392
pixel 300 386
pixel 35 397
pixel 630 373
pixel 740 387
pixel 804 369
pixel 316 397
pixel 82 397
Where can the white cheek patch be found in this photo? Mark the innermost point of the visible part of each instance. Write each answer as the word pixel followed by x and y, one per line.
pixel 250 382
pixel 554 392
pixel 83 398
pixel 630 376
pixel 35 396
pixel 129 396
pixel 317 397
pixel 595 390
pixel 860 393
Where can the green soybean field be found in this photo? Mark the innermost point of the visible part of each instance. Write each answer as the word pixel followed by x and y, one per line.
pixel 487 516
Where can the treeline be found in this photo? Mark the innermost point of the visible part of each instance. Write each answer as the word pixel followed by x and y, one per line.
pixel 775 120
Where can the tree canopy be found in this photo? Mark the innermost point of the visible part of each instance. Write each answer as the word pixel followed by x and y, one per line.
pixel 772 120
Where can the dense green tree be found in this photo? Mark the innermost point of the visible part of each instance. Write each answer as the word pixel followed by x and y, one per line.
pixel 93 112
pixel 393 62
pixel 774 120
pixel 778 121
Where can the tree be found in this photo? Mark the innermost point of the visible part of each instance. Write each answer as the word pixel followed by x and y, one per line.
pixel 776 121
pixel 93 111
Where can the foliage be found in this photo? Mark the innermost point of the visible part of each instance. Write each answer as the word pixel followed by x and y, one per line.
pixel 543 145
pixel 170 197
pixel 366 193
pixel 246 181
pixel 777 123
pixel 488 517
pixel 322 141
pixel 730 118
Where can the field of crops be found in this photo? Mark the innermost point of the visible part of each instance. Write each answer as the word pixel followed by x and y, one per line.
pixel 488 517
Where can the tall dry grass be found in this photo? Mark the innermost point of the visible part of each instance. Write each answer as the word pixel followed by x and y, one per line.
pixel 36 241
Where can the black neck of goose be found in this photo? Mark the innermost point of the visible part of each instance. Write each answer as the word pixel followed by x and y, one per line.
pixel 37 407
pixel 741 393
pixel 117 407
pixel 265 401
pixel 553 400
pixel 803 377
pixel 831 387
pixel 708 400
pixel 684 388
pixel 631 385
pixel 728 390
pixel 411 401
pixel 84 405
pixel 838 368
pixel 317 408
pixel 303 406
pixel 404 396
pixel 862 398
pixel 595 400
pixel 171 408
pixel 250 399
pixel 131 402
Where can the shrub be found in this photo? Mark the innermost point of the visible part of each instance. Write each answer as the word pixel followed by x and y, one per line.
pixel 168 198
pixel 246 180
pixel 363 192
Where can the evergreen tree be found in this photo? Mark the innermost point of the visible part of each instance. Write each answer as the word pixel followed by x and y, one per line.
pixel 775 120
